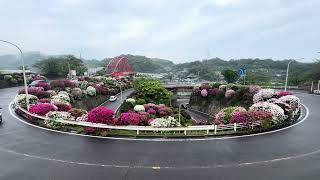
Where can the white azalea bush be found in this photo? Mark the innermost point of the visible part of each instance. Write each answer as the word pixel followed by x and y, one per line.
pixel 292 100
pixel 91 91
pixel 139 108
pixel 264 95
pixel 277 112
pixel 131 100
pixel 52 116
pixel 164 122
pixel 61 98
pixel 20 100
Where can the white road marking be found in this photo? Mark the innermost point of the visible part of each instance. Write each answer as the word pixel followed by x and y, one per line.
pixel 162 139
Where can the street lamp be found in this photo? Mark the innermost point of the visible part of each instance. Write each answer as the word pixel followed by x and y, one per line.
pixel 23 71
pixel 180 112
pixel 285 87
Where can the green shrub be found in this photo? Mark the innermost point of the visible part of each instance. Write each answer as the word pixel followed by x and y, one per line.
pixel 7 77
pixel 141 101
pixel 266 123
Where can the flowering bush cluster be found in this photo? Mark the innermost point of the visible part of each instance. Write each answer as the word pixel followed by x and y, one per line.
pixel 91 91
pixel 101 115
pixel 276 111
pixel 42 109
pixel 20 100
pixel 264 95
pixel 292 100
pixel 164 122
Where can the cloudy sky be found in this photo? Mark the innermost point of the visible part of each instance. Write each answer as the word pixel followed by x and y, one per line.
pixel 181 30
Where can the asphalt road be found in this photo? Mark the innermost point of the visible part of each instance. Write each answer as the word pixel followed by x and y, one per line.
pixel 31 153
pixel 114 105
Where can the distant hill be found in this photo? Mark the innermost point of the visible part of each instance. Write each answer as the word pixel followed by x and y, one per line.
pixel 10 61
pixel 149 65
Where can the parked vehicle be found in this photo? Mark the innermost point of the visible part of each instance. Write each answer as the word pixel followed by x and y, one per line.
pixel 112 98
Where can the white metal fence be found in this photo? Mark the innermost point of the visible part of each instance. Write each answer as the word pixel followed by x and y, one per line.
pixel 138 129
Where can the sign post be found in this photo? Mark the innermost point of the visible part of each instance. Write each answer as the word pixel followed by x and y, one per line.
pixel 242 73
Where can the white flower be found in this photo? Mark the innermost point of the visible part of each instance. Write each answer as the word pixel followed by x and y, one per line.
pixel 59 115
pixel 277 111
pixel 60 99
pixel 91 91
pixel 139 108
pixel 263 95
pixel 165 122
pixel 131 100
pixel 292 100
pixel 20 99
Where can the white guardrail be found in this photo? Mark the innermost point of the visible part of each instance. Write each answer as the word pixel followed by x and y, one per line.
pixel 213 128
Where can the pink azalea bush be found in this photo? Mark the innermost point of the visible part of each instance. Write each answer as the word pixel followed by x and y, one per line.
pixel 224 114
pixel 44 100
pixel 283 93
pixel 57 84
pixel 101 115
pixel 42 109
pixel 64 107
pixel 70 83
pixel 253 89
pixel 129 118
pixel 152 111
pixel 204 93
pixel 229 93
pixel 44 85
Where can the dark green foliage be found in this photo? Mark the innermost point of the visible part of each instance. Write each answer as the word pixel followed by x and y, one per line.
pixel 151 90
pixel 140 101
pixel 59 66
pixel 230 75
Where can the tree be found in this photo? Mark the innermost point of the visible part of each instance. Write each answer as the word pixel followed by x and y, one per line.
pixel 151 90
pixel 59 66
pixel 229 75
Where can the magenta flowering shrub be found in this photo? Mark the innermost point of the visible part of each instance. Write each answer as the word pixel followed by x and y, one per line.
pixel 70 83
pixel 150 121
pixel 213 91
pixel 57 84
pixel 148 106
pixel 64 107
pixel 168 110
pixel 204 93
pixel 239 117
pixel 283 93
pixel 31 90
pixel 44 100
pixel 129 118
pixel 162 113
pixel 159 106
pixel 260 115
pixel 143 118
pixel 229 93
pixel 152 111
pixel 44 85
pixel 101 115
pixel 42 109
pixel 254 89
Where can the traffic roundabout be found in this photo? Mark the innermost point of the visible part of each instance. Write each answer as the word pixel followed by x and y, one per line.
pixel 26 149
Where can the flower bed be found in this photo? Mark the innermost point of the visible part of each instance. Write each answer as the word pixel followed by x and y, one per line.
pixel 270 108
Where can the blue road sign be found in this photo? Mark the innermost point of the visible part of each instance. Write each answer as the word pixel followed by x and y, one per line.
pixel 242 71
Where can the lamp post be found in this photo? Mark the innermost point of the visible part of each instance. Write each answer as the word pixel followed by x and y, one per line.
pixel 23 70
pixel 180 112
pixel 285 87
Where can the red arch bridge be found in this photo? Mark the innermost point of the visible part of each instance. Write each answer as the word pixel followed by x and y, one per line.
pixel 119 66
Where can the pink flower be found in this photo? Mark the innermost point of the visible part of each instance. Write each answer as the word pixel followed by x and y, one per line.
pixel 64 107
pixel 44 85
pixel 204 93
pixel 101 115
pixel 283 93
pixel 42 109
pixel 129 118
pixel 229 93
pixel 44 100
pixel 151 111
